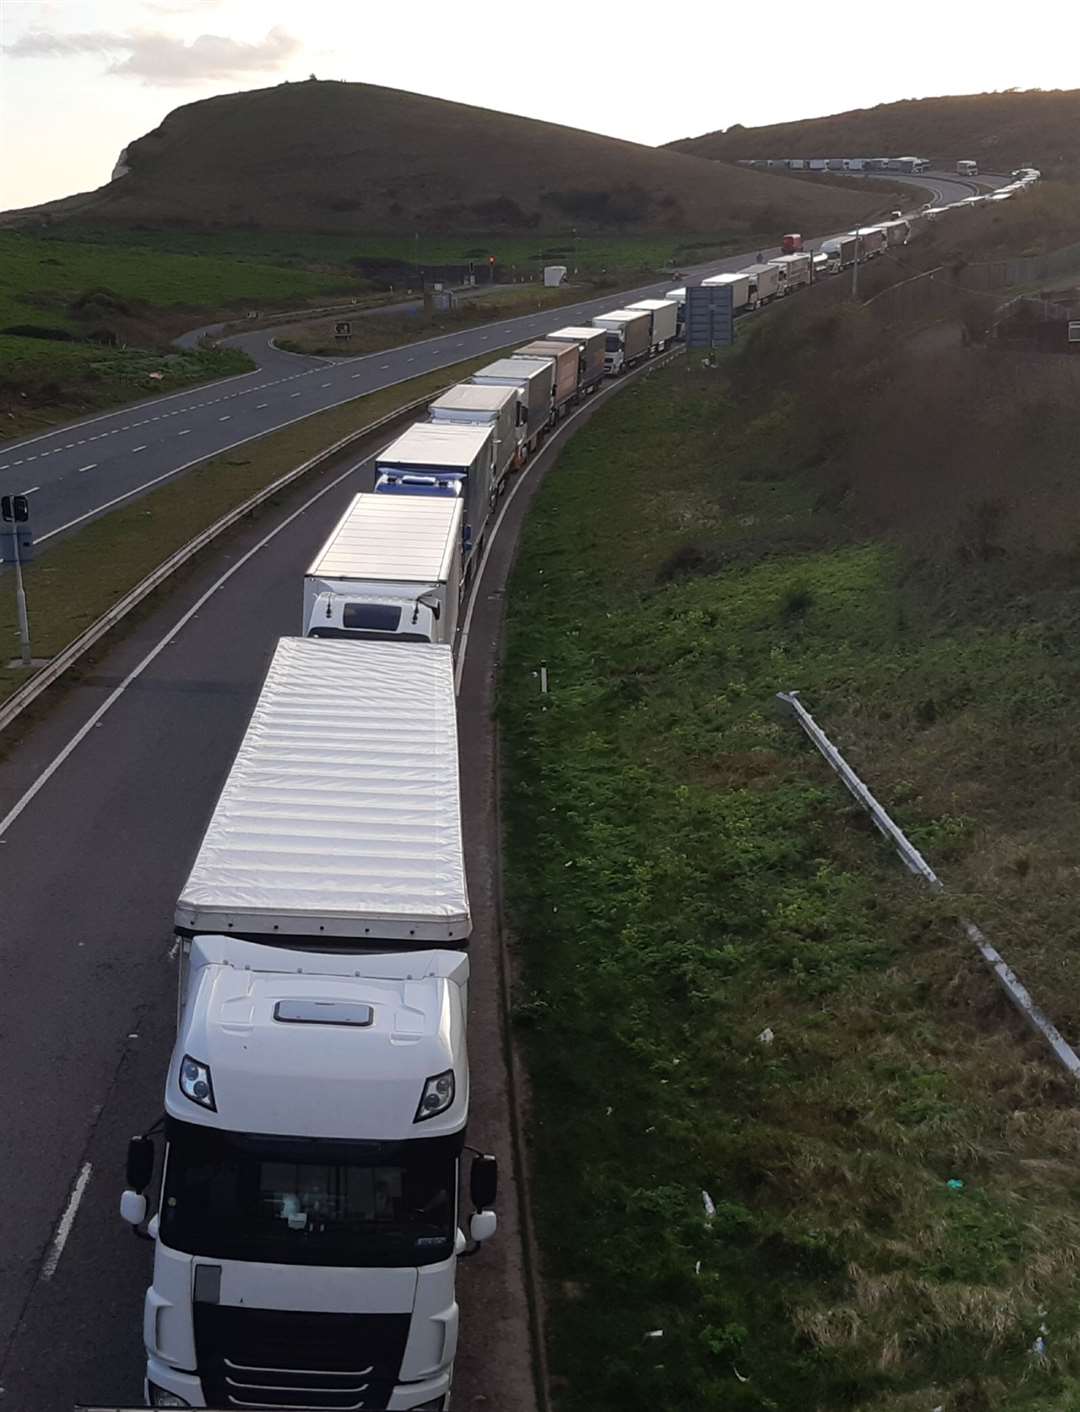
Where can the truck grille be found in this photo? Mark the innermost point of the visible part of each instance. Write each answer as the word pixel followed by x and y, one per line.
pixel 269 1358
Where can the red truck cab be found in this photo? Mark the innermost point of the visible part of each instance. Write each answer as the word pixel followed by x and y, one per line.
pixel 791 244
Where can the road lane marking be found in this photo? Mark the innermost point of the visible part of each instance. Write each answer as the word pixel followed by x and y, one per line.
pixel 224 419
pixel 357 375
pixel 185 432
pixel 32 489
pixel 67 1220
pixel 91 467
pixel 138 448
pixel 324 384
pixel 260 405
pixel 294 394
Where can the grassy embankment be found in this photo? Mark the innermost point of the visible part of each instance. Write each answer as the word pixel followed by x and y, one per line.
pixel 375 256
pixel 113 311
pixel 74 581
pixel 369 335
pixel 684 874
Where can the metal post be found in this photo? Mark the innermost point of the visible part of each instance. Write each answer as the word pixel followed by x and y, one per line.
pixel 855 269
pixel 20 602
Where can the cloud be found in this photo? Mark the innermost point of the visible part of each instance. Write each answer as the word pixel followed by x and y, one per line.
pixel 180 7
pixel 158 58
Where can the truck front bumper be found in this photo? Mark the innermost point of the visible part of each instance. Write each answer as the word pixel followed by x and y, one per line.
pixel 405 1396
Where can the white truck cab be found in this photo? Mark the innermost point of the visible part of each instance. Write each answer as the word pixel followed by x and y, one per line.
pixel 307 1231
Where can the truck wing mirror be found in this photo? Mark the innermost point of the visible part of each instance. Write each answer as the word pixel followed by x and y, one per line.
pixel 483 1181
pixel 133 1208
pixel 482 1227
pixel 140 1163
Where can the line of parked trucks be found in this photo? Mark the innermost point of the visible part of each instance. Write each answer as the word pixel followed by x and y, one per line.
pixel 313 1157
pixel 313 1154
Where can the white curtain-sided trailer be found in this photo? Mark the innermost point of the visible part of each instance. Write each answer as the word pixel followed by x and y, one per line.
pixel 497 407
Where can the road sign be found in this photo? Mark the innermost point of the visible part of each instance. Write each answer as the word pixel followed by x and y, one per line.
pixel 343 328
pixel 710 318
pixel 14 509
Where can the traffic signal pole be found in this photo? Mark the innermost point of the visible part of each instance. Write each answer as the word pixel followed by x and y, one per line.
pixel 15 511
pixel 20 604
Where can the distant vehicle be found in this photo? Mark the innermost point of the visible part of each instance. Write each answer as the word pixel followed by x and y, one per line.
pixel 629 332
pixel 390 571
pixel 740 282
pixel 967 168
pixel 565 370
pixel 764 284
pixel 590 345
pixel 664 317
pixel 791 244
pixel 795 270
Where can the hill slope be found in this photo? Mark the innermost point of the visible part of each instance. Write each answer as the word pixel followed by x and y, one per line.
pixel 1000 130
pixel 355 157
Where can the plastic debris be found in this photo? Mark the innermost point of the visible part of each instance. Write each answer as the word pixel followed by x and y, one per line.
pixel 655 1333
pixel 955 1184
pixel 1039 1347
pixel 697 1267
pixel 609 1112
pixel 710 1208
pixel 738 1374
pixel 766 1036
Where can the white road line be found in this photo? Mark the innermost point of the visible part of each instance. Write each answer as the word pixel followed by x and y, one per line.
pixel 185 432
pixel 383 367
pixel 137 671
pixel 91 467
pixel 260 405
pixel 16 463
pixel 294 394
pixel 28 460
pixel 408 360
pixel 67 1220
pixel 32 490
pixel 324 384
pixel 357 375
pixel 224 419
pixel 138 448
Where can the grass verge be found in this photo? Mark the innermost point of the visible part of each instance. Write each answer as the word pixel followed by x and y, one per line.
pixel 728 986
pixel 77 579
pixel 374 332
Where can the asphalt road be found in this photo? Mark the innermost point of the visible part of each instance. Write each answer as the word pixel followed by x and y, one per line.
pixel 76 472
pixel 93 856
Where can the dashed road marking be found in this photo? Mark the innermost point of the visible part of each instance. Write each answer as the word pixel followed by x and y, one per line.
pixel 185 432
pixel 92 466
pixel 225 419
pixel 32 489
pixel 67 1220
pixel 138 448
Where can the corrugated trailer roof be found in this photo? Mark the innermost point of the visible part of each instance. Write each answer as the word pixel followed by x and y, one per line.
pixel 474 397
pixel 386 537
pixel 436 444
pixel 341 814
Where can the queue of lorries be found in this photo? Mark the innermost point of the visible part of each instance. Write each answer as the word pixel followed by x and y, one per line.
pixel 313 1155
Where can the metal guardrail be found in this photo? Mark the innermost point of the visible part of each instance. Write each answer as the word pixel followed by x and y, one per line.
pixel 40 682
pixel 912 859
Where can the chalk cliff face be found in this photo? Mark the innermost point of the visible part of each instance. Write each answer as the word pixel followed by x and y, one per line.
pixel 122 168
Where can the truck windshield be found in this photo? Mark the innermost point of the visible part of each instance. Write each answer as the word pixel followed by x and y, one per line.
pixel 308 1201
pixel 613 343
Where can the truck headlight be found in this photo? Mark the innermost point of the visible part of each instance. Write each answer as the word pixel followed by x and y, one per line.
pixel 160 1398
pixel 437 1096
pixel 196 1084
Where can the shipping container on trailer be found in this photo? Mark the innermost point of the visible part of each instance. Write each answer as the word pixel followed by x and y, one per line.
pixel 390 571
pixel 627 341
pixel 590 346
pixel 497 407
pixel 535 380
pixel 665 320
pixel 795 270
pixel 565 388
pixel 444 460
pixel 740 281
pixel 764 284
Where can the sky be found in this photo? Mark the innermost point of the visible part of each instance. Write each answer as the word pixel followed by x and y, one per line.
pixel 79 79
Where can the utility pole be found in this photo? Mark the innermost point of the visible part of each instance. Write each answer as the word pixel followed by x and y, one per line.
pixel 855 267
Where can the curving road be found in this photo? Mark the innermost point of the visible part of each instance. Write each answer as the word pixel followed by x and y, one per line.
pixel 82 470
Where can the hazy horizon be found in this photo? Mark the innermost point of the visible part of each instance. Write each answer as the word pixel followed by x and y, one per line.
pixel 83 78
